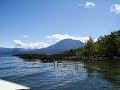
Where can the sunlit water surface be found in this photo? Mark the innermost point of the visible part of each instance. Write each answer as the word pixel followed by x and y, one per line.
pixel 65 75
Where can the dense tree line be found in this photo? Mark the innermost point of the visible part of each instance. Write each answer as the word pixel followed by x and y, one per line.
pixel 52 57
pixel 107 46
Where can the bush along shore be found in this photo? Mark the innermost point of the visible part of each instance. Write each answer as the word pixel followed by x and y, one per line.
pixel 48 57
pixel 106 47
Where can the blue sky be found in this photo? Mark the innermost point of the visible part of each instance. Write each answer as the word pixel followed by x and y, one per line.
pixel 40 23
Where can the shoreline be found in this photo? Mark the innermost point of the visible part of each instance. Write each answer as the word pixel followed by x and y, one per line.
pixel 63 57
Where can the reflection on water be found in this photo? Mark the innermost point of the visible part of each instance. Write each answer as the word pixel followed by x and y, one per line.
pixel 64 75
pixel 109 69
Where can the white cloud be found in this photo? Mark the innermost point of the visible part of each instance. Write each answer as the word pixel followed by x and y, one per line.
pixel 36 45
pixel 115 8
pixel 59 37
pixel 87 5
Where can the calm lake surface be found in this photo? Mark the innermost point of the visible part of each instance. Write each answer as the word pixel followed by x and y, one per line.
pixel 65 75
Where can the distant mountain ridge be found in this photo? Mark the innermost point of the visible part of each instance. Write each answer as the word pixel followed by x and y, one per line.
pixel 2 50
pixel 11 51
pixel 59 47
pixel 20 50
pixel 5 51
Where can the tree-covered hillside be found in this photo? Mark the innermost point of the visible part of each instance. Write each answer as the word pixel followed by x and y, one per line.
pixel 107 46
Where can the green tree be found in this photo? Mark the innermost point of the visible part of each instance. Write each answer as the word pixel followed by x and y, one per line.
pixel 89 48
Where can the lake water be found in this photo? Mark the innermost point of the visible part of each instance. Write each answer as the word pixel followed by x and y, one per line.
pixel 65 75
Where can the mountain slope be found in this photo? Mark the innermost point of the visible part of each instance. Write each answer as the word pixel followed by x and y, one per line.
pixel 20 50
pixel 61 46
pixel 2 50
pixel 5 51
pixel 11 51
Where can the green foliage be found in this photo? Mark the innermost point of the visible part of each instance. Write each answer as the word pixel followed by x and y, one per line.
pixel 107 46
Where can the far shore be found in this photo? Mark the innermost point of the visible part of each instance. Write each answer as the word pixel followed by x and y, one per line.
pixel 63 57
